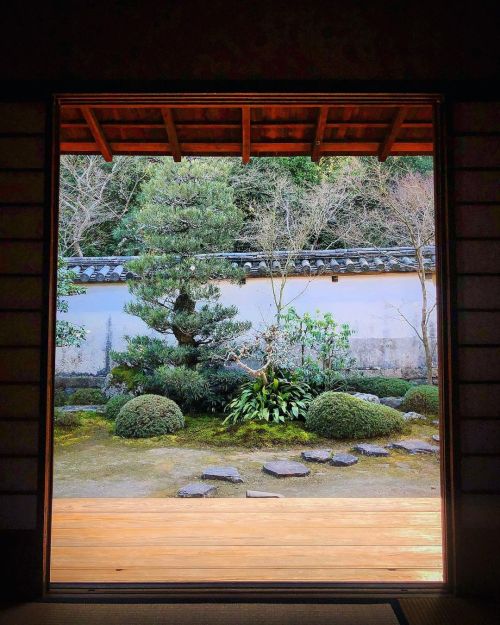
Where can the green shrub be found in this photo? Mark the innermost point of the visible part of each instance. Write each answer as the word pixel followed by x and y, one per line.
pixel 339 415
pixel 423 399
pixel 87 397
pixel 60 397
pixel 114 405
pixel 380 386
pixel 223 384
pixel 277 401
pixel 149 415
pixel 65 419
pixel 123 375
pixel 185 386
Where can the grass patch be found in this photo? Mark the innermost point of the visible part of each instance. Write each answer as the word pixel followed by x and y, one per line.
pixel 91 425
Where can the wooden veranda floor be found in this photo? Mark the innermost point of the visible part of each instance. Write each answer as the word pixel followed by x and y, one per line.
pixel 241 540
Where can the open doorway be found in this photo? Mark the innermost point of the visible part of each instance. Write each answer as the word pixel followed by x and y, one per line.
pixel 254 343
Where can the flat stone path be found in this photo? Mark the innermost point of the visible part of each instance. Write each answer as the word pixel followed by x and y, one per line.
pixel 317 455
pixel 286 468
pixel 368 449
pixel 197 489
pixel 227 474
pixel 415 447
pixel 343 460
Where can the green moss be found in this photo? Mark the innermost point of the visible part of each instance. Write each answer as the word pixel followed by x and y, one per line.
pixel 90 425
pixel 423 399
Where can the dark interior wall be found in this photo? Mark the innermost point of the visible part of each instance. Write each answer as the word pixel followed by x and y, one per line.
pixel 65 46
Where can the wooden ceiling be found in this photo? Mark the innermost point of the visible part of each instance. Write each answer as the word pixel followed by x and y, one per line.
pixel 245 127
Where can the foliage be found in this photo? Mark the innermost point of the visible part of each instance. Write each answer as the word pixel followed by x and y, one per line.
pixel 89 425
pixel 64 419
pixel 185 386
pixel 67 333
pixel 380 386
pixel 87 397
pixel 339 415
pixel 114 405
pixel 223 384
pixel 148 415
pixel 60 397
pixel 276 400
pixel 126 377
pixel 423 399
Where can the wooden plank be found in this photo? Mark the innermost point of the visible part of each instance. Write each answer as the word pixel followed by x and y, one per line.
pixel 480 473
pixel 18 512
pixel 309 505
pixel 18 437
pixel 19 365
pixel 478 327
pixel 480 436
pixel 173 141
pixel 98 134
pixel 478 256
pixel 246 136
pixel 21 257
pixel 479 364
pixel 21 222
pixel 207 575
pixel 476 186
pixel 478 400
pixel 470 151
pixel 18 328
pixel 386 147
pixel 476 117
pixel 20 292
pixel 22 117
pixel 22 187
pixel 319 132
pixel 477 292
pixel 482 221
pixel 18 474
pixel 22 152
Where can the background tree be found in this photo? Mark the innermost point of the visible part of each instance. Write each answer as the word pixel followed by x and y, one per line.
pixel 67 334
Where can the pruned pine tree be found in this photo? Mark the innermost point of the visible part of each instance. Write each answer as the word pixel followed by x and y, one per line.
pixel 188 216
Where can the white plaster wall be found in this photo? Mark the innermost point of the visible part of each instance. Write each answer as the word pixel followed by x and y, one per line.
pixel 368 303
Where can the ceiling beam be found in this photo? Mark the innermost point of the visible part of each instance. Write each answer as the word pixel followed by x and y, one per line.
pixel 319 132
pixel 245 135
pixel 168 120
pixel 385 148
pixel 97 133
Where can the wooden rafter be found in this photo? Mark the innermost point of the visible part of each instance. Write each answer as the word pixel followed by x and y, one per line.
pixel 319 132
pixel 96 130
pixel 245 134
pixel 168 119
pixel 385 148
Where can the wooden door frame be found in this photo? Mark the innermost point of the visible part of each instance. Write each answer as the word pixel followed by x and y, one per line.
pixel 446 342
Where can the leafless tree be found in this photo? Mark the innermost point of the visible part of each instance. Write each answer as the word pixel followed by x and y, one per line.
pixel 92 193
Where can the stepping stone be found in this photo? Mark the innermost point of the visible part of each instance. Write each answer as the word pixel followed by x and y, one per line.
pixel 343 460
pixel 367 397
pixel 317 455
pixel 412 416
pixel 197 490
pixel 371 450
pixel 392 402
pixel 228 474
pixel 435 437
pixel 286 468
pixel 415 447
pixel 93 408
pixel 260 494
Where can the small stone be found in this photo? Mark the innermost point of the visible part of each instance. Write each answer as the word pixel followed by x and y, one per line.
pixel 371 450
pixel 415 447
pixel 435 437
pixel 228 474
pixel 286 468
pixel 367 397
pixel 343 460
pixel 435 422
pixel 317 455
pixel 412 416
pixel 197 490
pixel 260 494
pixel 392 402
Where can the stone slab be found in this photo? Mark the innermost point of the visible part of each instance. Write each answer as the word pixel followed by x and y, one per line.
pixel 285 468
pixel 367 397
pixel 413 416
pixel 343 460
pixel 368 449
pixel 415 447
pixel 317 455
pixel 197 490
pixel 392 402
pixel 227 474
pixel 260 494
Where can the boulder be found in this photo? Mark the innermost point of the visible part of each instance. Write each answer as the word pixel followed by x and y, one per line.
pixel 415 447
pixel 371 450
pixel 343 460
pixel 227 474
pixel 197 490
pixel 412 416
pixel 317 455
pixel 367 397
pixel 392 402
pixel 260 494
pixel 286 468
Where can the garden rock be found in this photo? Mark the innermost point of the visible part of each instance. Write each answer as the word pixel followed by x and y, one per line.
pixel 392 402
pixel 317 455
pixel 415 447
pixel 260 494
pixel 227 474
pixel 343 460
pixel 367 397
pixel 197 490
pixel 286 468
pixel 371 450
pixel 94 408
pixel 435 437
pixel 413 416
pixel 435 422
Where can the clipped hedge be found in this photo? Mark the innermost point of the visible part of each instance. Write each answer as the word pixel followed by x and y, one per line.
pixel 340 415
pixel 64 419
pixel 87 397
pixel 423 399
pixel 149 415
pixel 114 405
pixel 380 386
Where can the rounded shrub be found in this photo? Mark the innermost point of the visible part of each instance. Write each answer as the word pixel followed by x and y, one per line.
pixel 340 415
pixel 423 399
pixel 114 405
pixel 87 397
pixel 64 419
pixel 60 397
pixel 377 385
pixel 149 415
